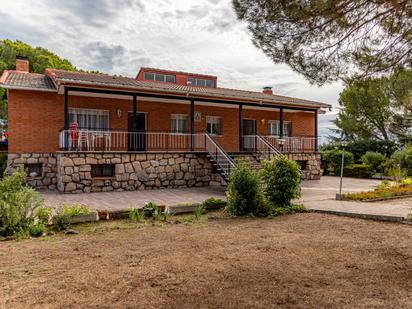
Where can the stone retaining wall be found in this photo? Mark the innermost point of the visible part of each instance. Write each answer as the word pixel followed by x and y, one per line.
pixel 311 162
pixel 48 178
pixel 134 172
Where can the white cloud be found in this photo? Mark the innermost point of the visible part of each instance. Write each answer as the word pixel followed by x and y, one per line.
pixel 120 36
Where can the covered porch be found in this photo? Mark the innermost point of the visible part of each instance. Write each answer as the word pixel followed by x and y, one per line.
pixel 138 132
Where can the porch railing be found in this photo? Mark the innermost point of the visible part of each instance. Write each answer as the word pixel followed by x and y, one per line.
pixel 293 144
pixel 221 158
pixel 97 140
pixel 258 145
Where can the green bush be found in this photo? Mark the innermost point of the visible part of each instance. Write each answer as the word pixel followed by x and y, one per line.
pixel 244 193
pixel 333 159
pixel 17 204
pixel 43 214
pixel 403 158
pixel 211 201
pixel 357 171
pixel 374 160
pixel 3 163
pixel 37 230
pixel 62 220
pixel 282 178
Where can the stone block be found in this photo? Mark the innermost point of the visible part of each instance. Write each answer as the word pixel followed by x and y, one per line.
pixel 85 168
pixel 119 169
pixel 129 168
pixel 79 161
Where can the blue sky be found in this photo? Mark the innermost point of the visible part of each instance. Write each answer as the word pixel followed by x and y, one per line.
pixel 120 36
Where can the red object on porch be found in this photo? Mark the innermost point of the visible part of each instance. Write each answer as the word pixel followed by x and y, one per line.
pixel 74 131
pixel 6 134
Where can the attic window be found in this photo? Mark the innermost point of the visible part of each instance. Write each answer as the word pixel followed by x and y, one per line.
pixel 200 82
pixel 166 78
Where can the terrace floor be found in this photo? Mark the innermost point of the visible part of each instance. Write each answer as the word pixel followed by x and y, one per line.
pixel 317 195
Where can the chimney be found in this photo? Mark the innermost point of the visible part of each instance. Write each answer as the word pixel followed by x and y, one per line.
pixel 267 90
pixel 22 64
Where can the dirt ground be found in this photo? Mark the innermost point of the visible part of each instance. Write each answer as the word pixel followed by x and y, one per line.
pixel 302 260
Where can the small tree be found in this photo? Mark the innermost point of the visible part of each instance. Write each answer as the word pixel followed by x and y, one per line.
pixel 17 204
pixel 282 177
pixel 244 193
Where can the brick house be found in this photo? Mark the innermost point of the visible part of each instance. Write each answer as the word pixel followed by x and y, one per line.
pixel 81 132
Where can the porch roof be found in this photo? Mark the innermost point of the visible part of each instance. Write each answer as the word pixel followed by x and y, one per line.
pixel 53 78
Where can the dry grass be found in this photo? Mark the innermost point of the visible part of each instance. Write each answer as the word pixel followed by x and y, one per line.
pixel 302 260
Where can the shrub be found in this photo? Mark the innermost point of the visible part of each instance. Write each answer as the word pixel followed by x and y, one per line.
pixel 75 210
pixel 62 220
pixel 282 178
pixel 403 158
pixel 333 159
pixel 37 230
pixel 244 193
pixel 374 160
pixel 17 204
pixel 43 214
pixel 212 201
pixel 136 215
pixel 357 171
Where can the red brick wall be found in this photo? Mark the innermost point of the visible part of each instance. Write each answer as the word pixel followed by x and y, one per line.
pixel 303 123
pixel 35 119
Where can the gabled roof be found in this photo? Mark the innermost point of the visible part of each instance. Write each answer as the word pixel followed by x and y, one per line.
pixel 24 80
pixel 48 82
pixel 125 82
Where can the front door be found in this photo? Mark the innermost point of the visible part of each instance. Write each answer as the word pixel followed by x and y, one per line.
pixel 137 132
pixel 249 131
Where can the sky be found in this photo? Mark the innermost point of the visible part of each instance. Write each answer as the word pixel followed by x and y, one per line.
pixel 120 36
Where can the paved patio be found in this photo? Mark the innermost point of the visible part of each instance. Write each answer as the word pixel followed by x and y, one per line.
pixel 317 195
pixel 320 195
pixel 127 199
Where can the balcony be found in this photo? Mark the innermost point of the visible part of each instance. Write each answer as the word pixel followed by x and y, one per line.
pixel 124 141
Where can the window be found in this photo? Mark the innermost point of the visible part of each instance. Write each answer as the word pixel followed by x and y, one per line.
pixel 213 125
pixel 102 170
pixel 160 77
pixel 274 128
pixel 201 82
pixel 33 169
pixel 90 119
pixel 179 123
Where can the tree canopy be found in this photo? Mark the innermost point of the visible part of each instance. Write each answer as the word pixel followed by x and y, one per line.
pixel 327 40
pixel 39 58
pixel 379 108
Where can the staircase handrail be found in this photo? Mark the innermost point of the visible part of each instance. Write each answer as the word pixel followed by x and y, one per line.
pixel 219 151
pixel 271 150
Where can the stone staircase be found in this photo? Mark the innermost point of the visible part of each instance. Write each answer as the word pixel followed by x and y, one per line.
pixel 247 158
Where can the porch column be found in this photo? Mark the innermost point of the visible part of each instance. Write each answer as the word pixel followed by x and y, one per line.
pixel 240 127
pixel 66 119
pixel 192 124
pixel 281 145
pixel 316 130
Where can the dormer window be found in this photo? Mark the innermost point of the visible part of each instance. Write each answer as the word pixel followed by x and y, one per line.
pixel 166 78
pixel 199 82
